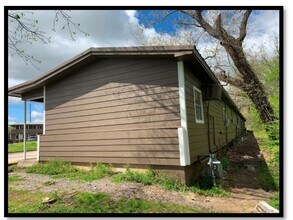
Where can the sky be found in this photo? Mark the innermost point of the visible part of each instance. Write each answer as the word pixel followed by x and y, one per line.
pixel 107 29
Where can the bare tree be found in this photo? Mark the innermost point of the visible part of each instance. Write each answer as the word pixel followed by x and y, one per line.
pixel 230 35
pixel 23 29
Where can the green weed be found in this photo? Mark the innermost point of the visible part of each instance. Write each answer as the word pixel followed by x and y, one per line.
pixel 62 169
pixel 49 183
pixel 204 187
pixel 53 167
pixel 275 201
pixel 14 178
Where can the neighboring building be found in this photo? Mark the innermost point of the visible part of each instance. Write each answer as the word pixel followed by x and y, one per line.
pixel 144 106
pixel 32 129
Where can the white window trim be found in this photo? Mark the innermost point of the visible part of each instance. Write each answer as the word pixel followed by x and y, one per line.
pixel 201 104
pixel 44 112
pixel 184 151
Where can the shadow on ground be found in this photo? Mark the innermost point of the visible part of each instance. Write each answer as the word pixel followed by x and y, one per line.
pixel 246 169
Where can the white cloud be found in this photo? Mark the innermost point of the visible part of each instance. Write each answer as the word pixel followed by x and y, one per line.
pixel 13 82
pixel 11 120
pixel 132 14
pixel 260 31
pixel 115 28
pixel 14 100
pixel 106 28
pixel 38 106
pixel 37 116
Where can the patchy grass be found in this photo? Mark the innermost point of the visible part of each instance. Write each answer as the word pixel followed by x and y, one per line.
pixel 12 168
pixel 53 167
pixel 82 202
pixel 24 201
pixel 269 173
pixel 150 177
pixel 266 178
pixel 49 183
pixel 147 178
pixel 14 178
pixel 63 169
pixel 275 201
pixel 18 147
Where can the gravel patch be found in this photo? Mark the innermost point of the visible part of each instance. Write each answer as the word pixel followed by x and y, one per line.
pixel 36 182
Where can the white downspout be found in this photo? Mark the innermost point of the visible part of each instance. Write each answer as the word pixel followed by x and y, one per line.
pixel 44 112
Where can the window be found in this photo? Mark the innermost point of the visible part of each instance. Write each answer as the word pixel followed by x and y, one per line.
pixel 20 136
pixel 198 106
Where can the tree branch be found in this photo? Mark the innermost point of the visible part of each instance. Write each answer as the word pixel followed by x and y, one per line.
pixel 188 24
pixel 24 30
pixel 163 18
pixel 243 25
pixel 232 81
pixel 218 25
pixel 214 55
pixel 202 22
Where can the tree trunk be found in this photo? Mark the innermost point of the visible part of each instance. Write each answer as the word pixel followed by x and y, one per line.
pixel 251 84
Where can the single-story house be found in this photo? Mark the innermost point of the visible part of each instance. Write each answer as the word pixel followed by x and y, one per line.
pixel 157 106
pixel 32 129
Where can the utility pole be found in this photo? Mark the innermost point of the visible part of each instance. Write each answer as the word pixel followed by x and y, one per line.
pixel 24 132
pixel 30 112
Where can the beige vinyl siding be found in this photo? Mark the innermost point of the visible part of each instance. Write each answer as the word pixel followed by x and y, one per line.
pixel 231 129
pixel 198 132
pixel 114 111
pixel 216 111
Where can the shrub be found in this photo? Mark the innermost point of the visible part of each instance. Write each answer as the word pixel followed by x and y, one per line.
pixel 272 129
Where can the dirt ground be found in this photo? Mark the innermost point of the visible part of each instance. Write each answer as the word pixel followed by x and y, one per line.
pixel 242 182
pixel 240 200
pixel 244 160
